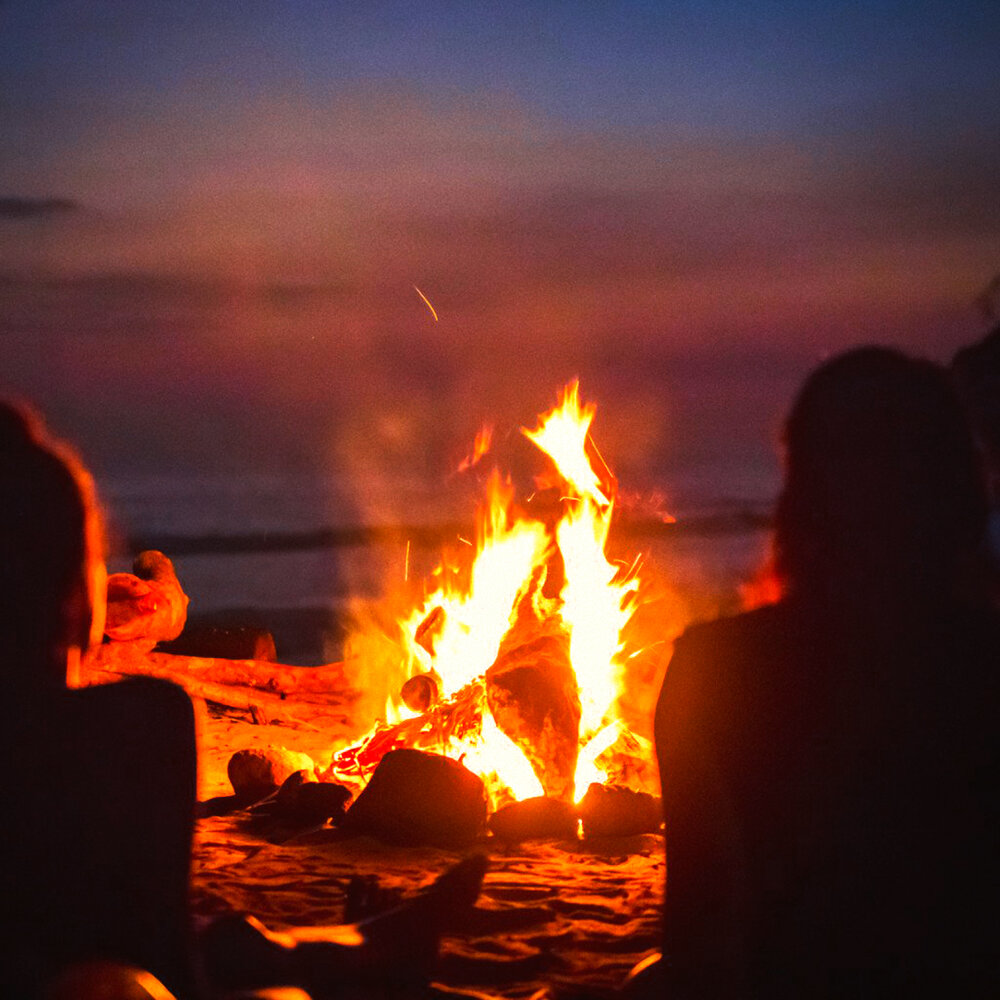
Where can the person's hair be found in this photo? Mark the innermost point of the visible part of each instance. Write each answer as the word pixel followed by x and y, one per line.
pixel 883 491
pixel 977 372
pixel 50 540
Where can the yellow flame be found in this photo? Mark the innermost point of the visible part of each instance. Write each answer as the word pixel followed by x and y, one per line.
pixel 477 616
pixel 472 607
pixel 562 435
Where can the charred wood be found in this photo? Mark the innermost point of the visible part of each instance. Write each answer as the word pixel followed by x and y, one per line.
pixel 531 690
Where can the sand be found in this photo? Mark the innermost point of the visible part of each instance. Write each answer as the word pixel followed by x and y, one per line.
pixel 568 917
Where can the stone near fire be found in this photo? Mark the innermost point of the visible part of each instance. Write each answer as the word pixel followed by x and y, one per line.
pixel 615 811
pixel 255 773
pixel 320 801
pixel 301 803
pixel 416 797
pixel 538 818
pixel 532 693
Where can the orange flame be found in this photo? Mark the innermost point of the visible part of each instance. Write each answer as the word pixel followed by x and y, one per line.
pixel 482 444
pixel 455 633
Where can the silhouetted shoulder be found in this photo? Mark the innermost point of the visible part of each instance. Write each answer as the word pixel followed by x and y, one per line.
pixel 147 695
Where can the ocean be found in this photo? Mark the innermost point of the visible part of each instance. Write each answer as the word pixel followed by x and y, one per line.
pixel 285 553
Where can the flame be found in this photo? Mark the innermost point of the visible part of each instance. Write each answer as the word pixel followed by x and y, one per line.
pixel 455 633
pixel 484 439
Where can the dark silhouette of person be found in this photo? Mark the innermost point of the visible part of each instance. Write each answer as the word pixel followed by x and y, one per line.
pixel 829 762
pixel 976 369
pixel 100 781
pixel 100 788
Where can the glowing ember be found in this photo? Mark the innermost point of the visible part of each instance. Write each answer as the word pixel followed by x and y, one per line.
pixel 528 585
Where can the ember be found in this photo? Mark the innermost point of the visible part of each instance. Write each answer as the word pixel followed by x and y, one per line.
pixel 513 662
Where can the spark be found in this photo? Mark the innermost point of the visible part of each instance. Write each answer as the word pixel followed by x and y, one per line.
pixel 427 302
pixel 406 562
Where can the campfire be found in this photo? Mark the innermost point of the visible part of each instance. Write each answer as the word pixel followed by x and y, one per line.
pixel 514 661
pixel 506 673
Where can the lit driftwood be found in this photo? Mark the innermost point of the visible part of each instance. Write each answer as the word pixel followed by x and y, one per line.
pixel 532 694
pixel 147 604
pixel 271 691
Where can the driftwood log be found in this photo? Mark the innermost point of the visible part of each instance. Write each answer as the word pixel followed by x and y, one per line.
pixel 147 604
pixel 270 691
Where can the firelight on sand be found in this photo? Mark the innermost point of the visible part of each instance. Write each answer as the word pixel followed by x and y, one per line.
pixel 555 573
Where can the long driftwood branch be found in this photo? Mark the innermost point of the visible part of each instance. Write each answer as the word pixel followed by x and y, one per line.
pixel 272 691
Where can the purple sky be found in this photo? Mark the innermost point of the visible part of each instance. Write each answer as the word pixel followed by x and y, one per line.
pixel 686 204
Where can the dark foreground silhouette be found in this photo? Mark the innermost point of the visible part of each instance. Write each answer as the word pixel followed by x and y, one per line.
pixel 100 795
pixel 829 763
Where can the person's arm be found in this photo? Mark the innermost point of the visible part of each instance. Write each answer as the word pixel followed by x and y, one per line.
pixel 137 767
pixel 704 934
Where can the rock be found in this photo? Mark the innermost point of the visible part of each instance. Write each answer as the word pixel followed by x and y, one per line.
pixel 318 801
pixel 532 693
pixel 288 791
pixel 416 797
pixel 303 801
pixel 147 603
pixel 535 819
pixel 257 773
pixel 614 811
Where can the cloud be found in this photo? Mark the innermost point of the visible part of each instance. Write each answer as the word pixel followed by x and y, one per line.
pixel 35 208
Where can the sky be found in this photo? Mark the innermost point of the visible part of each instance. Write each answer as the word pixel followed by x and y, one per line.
pixel 214 218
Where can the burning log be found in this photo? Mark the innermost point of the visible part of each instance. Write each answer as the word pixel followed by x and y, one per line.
pixel 532 692
pixel 421 692
pixel 538 818
pixel 147 604
pixel 629 762
pixel 430 629
pixel 614 811
pixel 415 797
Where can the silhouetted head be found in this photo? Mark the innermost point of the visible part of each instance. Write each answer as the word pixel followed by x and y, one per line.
pixel 977 372
pixel 51 553
pixel 883 496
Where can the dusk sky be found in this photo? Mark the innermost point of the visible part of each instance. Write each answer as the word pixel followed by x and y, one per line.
pixel 213 216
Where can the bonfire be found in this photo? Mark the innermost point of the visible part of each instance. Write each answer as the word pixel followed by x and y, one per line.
pixel 513 661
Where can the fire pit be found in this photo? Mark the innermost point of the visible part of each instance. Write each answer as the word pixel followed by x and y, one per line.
pixel 512 689
pixel 514 659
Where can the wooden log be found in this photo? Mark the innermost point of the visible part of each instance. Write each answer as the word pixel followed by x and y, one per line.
pixel 296 696
pixel 147 604
pixel 532 693
pixel 279 679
